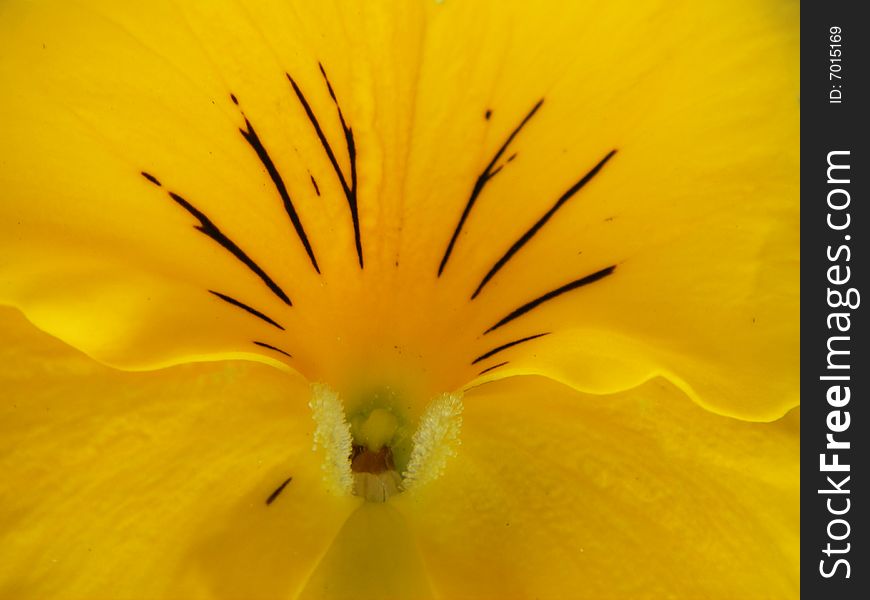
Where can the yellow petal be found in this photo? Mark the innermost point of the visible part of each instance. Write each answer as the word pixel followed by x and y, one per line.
pixel 556 494
pixel 373 556
pixel 153 485
pixel 620 176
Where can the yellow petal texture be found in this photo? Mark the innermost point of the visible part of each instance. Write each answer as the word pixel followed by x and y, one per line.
pixel 153 485
pixel 619 176
pixel 374 556
pixel 643 494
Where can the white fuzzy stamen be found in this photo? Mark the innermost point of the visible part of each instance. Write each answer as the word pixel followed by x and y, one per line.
pixel 332 434
pixel 435 441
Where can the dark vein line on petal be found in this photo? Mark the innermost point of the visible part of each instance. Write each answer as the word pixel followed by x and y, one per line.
pixel 254 141
pixel 152 179
pixel 351 154
pixel 498 349
pixel 314 183
pixel 246 308
pixel 553 294
pixel 528 235
pixel 277 491
pixel 207 227
pixel 488 369
pixel 350 190
pixel 270 347
pixel 488 173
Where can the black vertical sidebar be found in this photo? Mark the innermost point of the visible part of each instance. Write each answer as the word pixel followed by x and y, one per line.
pixel 835 370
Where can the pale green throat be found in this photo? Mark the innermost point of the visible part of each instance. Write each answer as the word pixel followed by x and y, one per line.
pixel 376 453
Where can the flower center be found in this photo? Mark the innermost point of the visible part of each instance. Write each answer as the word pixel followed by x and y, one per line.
pixel 374 453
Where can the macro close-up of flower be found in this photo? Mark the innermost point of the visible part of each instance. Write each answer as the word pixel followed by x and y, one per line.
pixel 425 299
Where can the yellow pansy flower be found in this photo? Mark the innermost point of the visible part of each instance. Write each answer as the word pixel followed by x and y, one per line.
pixel 524 274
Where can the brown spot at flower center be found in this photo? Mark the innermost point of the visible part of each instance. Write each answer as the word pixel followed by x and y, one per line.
pixel 374 474
pixel 364 460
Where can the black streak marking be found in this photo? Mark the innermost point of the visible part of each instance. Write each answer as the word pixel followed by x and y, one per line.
pixel 152 179
pixel 349 189
pixel 211 230
pixel 487 114
pixel 277 491
pixel 253 139
pixel 483 178
pixel 542 221
pixel 486 355
pixel 314 183
pixel 265 345
pixel 246 308
pixel 234 99
pixel 488 369
pixel 351 153
pixel 550 295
